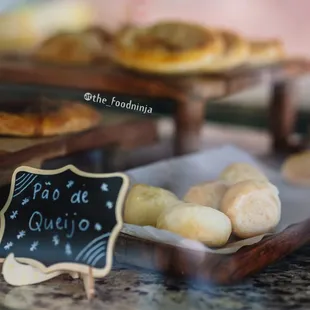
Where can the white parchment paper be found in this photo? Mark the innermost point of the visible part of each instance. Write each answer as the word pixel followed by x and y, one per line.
pixel 177 175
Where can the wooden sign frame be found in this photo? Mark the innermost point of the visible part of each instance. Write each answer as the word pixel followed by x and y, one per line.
pixel 72 267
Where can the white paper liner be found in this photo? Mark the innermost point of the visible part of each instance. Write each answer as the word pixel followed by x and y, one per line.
pixel 178 175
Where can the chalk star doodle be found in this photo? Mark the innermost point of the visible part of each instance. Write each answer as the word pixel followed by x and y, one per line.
pixel 48 183
pixel 68 249
pixel 70 184
pixel 34 246
pixel 104 187
pixel 21 234
pixel 109 204
pixel 25 201
pixel 8 246
pixel 98 227
pixel 14 215
pixel 55 240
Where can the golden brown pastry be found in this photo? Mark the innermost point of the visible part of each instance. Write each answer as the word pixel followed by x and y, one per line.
pixel 74 48
pixel 104 36
pixel 253 207
pixel 145 203
pixel 23 28
pixel 236 52
pixel 265 52
pixel 167 47
pixel 296 169
pixel 207 194
pixel 238 172
pixel 196 222
pixel 48 119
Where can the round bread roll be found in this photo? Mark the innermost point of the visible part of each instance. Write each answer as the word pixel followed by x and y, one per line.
pixel 207 194
pixel 145 203
pixel 196 222
pixel 238 172
pixel 264 52
pixel 296 169
pixel 167 47
pixel 72 48
pixel 236 51
pixel 253 207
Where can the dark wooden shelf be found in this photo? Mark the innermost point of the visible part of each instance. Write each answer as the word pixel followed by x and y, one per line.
pixel 189 92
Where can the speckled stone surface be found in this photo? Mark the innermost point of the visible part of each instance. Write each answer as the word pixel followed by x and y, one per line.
pixel 285 285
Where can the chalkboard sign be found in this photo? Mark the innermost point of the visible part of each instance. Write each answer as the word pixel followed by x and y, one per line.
pixel 63 219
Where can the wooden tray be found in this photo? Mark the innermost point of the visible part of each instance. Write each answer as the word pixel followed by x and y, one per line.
pixel 127 135
pixel 209 267
pixel 110 121
pixel 206 267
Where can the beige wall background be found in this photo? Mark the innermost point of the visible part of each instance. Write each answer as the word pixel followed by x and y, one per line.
pixel 285 19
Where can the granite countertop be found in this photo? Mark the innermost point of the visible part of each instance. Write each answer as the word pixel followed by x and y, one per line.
pixel 285 285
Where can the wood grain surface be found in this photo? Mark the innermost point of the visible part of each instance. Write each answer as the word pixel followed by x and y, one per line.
pixel 128 135
pixel 189 92
pixel 209 267
pixel 110 77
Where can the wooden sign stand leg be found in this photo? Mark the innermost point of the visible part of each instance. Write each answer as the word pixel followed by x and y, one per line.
pixel 89 283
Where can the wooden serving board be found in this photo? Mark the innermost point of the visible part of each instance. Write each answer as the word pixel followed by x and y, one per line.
pixel 205 267
pixel 208 267
pixel 13 144
pixel 127 135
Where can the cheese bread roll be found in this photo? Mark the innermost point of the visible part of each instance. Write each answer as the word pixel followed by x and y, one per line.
pixel 253 207
pixel 207 194
pixel 296 169
pixel 238 172
pixel 145 203
pixel 196 222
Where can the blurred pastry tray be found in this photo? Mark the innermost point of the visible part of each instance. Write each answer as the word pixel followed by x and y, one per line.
pixel 204 267
pixel 125 131
pixel 109 77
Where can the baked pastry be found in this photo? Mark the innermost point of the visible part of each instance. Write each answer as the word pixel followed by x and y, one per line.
pixel 104 36
pixel 296 169
pixel 265 52
pixel 167 47
pixel 74 48
pixel 238 172
pixel 145 203
pixel 47 118
pixel 23 28
pixel 207 194
pixel 236 52
pixel 196 222
pixel 253 207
